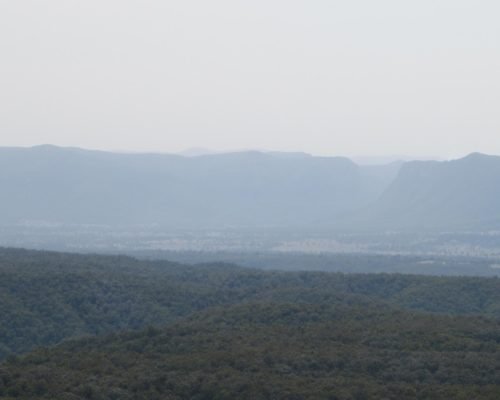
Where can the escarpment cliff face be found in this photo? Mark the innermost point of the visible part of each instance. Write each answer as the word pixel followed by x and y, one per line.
pixel 459 194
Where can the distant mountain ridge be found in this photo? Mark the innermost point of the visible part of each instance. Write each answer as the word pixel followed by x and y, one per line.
pixel 246 190
pixel 458 194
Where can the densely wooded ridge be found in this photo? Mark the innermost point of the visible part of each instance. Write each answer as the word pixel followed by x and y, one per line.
pixel 218 331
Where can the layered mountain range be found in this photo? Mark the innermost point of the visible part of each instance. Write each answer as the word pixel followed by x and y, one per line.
pixel 245 190
pixel 450 195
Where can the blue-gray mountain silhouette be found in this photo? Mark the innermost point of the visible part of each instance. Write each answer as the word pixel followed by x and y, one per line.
pixel 246 190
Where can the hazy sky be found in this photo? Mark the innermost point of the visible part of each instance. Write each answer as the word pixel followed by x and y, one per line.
pixel 336 77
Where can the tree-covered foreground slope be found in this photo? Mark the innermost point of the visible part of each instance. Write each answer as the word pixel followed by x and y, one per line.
pixel 47 297
pixel 274 350
pixel 217 331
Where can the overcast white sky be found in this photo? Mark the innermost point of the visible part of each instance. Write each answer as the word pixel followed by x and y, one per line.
pixel 332 77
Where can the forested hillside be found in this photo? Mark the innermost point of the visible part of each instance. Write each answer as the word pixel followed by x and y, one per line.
pixel 48 297
pixel 274 350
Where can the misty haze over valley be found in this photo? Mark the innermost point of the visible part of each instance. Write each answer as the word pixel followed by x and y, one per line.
pixel 69 198
pixel 251 200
